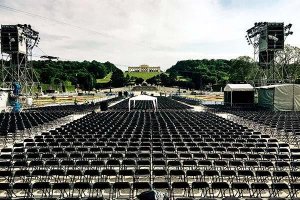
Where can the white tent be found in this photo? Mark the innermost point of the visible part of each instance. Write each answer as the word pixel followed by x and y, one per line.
pixel 238 94
pixel 238 87
pixel 143 98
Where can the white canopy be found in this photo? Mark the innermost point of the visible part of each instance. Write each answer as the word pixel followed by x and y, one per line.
pixel 143 98
pixel 238 87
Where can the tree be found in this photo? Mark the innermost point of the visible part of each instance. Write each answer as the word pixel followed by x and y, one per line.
pixel 97 69
pixel 241 68
pixel 165 81
pixel 85 80
pixel 127 79
pixel 139 81
pixel 117 78
pixel 173 75
pixel 154 80
pixel 110 67
pixel 289 62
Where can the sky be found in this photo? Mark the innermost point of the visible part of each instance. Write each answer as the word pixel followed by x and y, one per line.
pixel 153 32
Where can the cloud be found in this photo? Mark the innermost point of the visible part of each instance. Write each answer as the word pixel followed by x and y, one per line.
pixel 154 32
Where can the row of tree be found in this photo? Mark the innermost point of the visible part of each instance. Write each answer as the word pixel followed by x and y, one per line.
pixel 195 74
pixel 199 73
pixel 80 74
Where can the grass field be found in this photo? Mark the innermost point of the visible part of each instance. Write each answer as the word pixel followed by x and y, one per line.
pixel 106 79
pixel 143 75
pixel 181 78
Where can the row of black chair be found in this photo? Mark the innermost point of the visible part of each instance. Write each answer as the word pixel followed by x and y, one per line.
pixel 13 122
pixel 75 108
pixel 125 189
pixel 163 103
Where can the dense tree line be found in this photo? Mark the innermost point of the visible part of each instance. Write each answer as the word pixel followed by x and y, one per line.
pixel 199 73
pixel 81 74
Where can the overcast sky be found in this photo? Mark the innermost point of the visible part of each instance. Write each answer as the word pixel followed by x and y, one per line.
pixel 154 32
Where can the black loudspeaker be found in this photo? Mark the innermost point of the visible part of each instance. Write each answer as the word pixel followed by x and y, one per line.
pixel 276 36
pixel 103 105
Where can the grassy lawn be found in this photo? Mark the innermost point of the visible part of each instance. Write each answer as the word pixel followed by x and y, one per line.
pixel 106 79
pixel 182 78
pixel 144 75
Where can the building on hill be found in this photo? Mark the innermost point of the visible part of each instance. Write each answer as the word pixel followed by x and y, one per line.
pixel 144 68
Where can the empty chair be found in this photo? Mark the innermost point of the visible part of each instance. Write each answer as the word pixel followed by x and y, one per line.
pixel 205 164
pixel 138 187
pixel 56 175
pixel 61 189
pixel 189 164
pixel 220 189
pixel 263 175
pixel 6 175
pixel 280 190
pixel 295 188
pixel 122 190
pixel 21 190
pixel 126 175
pixel 180 189
pixel 81 189
pixel 43 187
pixel 211 175
pixel 193 176
pixel 7 189
pixel 164 187
pixel 173 164
pixel 160 175
pixel 177 175
pixel 240 189
pixel 102 189
pixel 245 176
pixel 280 176
pixel 74 174
pixel 40 175
pixel 228 175
pixel 112 164
pixel 294 176
pixel 200 189
pixel 109 175
pixel 142 175
pixel 21 175
pixel 261 190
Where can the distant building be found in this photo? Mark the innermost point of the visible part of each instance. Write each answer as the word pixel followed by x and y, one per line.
pixel 144 68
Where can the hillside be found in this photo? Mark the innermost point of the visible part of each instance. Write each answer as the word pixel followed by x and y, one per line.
pixel 106 79
pixel 200 73
pixel 143 75
pixel 86 74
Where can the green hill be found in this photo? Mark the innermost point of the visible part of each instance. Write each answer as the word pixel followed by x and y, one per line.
pixel 143 75
pixel 106 79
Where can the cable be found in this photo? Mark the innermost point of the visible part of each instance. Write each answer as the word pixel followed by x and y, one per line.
pixel 41 50
pixel 67 24
pixel 64 23
pixel 49 19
